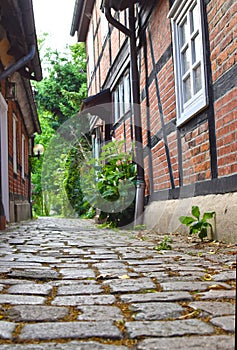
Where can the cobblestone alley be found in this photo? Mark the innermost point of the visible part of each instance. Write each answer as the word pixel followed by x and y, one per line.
pixel 65 284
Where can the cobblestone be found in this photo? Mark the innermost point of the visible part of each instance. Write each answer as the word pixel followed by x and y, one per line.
pixel 65 285
pixel 57 330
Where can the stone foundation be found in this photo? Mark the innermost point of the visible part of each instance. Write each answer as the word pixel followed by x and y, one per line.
pixel 163 215
pixel 19 211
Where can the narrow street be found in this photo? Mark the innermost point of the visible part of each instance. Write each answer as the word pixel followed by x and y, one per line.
pixel 65 284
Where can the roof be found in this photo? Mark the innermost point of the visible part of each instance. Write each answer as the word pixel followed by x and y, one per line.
pixel 17 19
pixel 20 56
pixel 81 18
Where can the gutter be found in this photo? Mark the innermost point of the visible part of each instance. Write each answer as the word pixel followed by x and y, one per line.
pixel 131 33
pixel 19 64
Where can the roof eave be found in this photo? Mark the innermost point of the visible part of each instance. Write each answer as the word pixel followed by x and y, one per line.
pixel 81 18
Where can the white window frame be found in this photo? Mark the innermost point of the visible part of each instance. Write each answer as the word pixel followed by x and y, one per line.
pixel 122 97
pixel 14 140
pixel 23 156
pixel 90 51
pixel 198 100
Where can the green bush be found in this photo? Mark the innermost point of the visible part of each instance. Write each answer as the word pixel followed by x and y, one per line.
pixel 109 183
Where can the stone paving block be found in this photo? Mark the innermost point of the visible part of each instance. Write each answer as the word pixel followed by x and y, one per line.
pixel 156 311
pixel 145 262
pixel 36 313
pixel 73 345
pixel 37 259
pixel 35 273
pixel 130 285
pixel 117 264
pixel 191 286
pixel 9 281
pixel 64 330
pixel 83 300
pixel 188 343
pixel 188 267
pixel 225 322
pixel 99 313
pixel 21 264
pixel 15 299
pixel 77 273
pixel 159 296
pixel 148 268
pixel 30 288
pixel 16 241
pixel 214 308
pixel 225 276
pixel 167 328
pixel 217 294
pixel 80 288
pixel 6 329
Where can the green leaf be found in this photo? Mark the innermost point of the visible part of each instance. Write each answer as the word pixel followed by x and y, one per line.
pixel 206 224
pixel 186 220
pixel 208 215
pixel 196 212
pixel 197 225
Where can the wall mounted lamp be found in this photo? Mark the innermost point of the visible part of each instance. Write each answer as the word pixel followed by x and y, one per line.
pixel 38 150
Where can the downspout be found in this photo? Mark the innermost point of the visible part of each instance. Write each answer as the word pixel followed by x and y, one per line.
pixel 140 183
pixel 19 64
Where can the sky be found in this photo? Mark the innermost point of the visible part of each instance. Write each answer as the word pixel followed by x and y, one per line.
pixel 55 18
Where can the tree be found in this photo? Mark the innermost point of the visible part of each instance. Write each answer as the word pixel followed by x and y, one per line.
pixel 63 89
pixel 58 98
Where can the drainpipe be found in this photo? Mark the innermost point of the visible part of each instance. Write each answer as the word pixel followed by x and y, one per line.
pixel 19 64
pixel 140 184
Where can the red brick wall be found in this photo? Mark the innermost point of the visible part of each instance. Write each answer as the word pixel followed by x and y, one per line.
pixel 222 20
pixel 195 141
pixel 17 186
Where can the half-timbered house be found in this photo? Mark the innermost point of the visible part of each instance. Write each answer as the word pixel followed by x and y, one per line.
pixel 177 60
pixel 19 64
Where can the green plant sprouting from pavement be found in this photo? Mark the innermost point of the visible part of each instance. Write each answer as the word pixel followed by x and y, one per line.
pixel 196 224
pixel 164 245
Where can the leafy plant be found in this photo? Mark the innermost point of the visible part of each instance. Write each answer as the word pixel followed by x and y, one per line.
pixel 164 245
pixel 196 224
pixel 109 183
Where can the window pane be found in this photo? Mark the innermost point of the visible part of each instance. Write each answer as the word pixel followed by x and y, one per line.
pixel 194 17
pixel 121 98
pixel 185 60
pixel 187 89
pixel 197 79
pixel 196 49
pixel 126 93
pixel 183 32
pixel 116 105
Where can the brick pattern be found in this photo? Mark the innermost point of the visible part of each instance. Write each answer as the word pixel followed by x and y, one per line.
pixel 196 156
pixel 195 143
pixel 18 187
pixel 226 126
pixel 222 22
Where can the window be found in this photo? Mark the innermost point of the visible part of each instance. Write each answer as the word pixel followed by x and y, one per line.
pixel 14 138
pixel 122 97
pixel 90 51
pixel 23 156
pixel 189 58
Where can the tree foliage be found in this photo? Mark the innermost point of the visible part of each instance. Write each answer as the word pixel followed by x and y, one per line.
pixel 58 98
pixel 62 90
